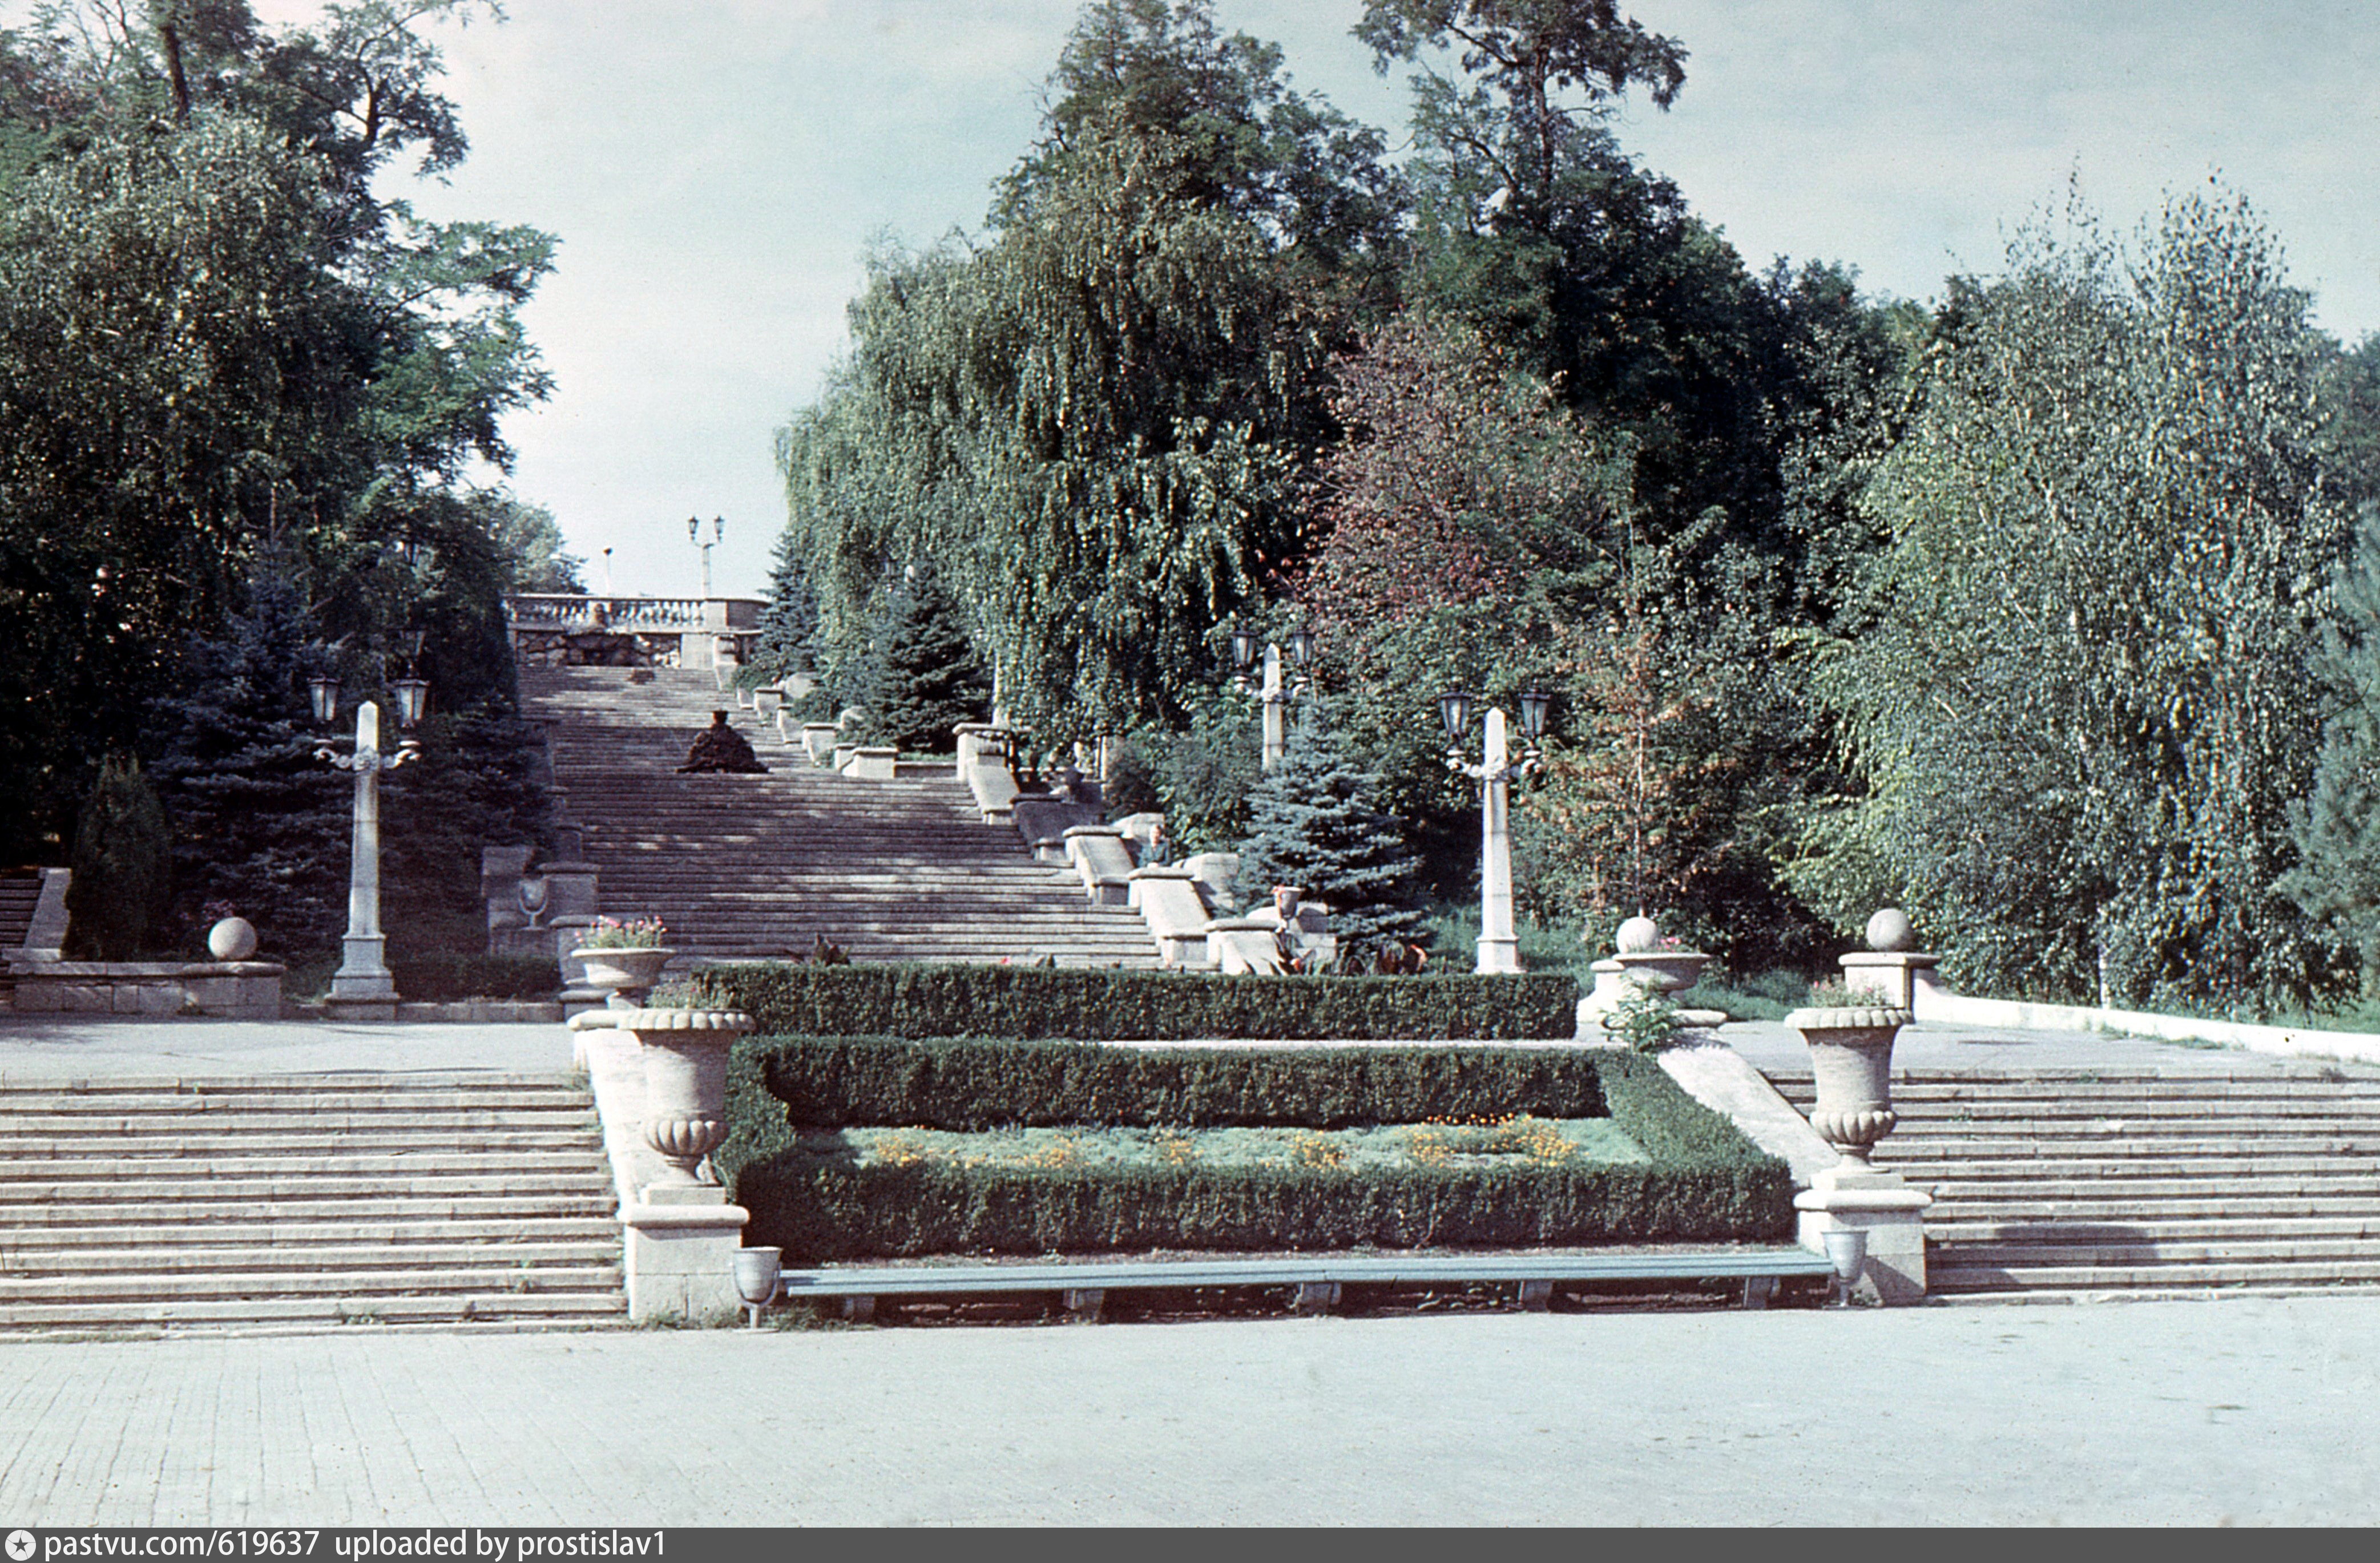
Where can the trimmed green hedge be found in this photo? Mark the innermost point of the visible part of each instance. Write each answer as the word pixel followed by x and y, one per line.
pixel 1704 1183
pixel 971 1086
pixel 1109 1006
pixel 437 979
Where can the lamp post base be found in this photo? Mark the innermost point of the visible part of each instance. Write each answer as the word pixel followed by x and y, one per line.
pixel 362 990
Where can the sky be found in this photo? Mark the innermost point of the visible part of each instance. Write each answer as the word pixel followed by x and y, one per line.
pixel 716 171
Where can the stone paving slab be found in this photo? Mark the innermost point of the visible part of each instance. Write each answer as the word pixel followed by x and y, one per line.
pixel 2250 1410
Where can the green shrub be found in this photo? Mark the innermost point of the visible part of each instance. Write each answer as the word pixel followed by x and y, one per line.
pixel 1704 1181
pixel 123 867
pixel 437 979
pixel 849 1082
pixel 1098 1006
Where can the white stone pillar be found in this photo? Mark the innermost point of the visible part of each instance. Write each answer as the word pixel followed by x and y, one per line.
pixel 362 987
pixel 1500 947
pixel 1275 709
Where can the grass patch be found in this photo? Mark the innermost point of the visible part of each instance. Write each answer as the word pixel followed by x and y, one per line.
pixel 1768 997
pixel 1516 1140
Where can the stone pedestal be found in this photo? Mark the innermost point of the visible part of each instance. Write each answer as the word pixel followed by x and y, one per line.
pixel 818 741
pixel 680 1241
pixel 1889 978
pixel 1888 1210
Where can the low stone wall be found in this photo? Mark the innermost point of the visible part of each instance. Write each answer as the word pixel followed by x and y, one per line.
pixel 228 989
pixel 1936 1005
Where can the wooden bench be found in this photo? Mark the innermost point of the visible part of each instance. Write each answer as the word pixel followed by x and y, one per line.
pixel 1317 1278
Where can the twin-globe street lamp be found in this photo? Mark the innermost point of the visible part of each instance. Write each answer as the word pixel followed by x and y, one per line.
pixel 1500 947
pixel 693 535
pixel 362 985
pixel 1276 700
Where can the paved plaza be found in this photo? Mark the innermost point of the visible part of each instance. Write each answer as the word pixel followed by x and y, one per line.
pixel 2249 1409
pixel 2252 1411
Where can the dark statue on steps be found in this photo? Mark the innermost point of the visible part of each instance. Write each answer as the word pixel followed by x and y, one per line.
pixel 721 747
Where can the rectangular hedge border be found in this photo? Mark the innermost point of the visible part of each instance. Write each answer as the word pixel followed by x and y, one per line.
pixel 1704 1183
pixel 972 1086
pixel 1113 1006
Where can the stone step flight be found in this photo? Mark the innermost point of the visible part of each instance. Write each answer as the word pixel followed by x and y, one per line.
pixel 451 1200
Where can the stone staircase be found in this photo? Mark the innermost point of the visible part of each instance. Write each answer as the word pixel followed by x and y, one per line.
pixel 298 1200
pixel 2071 1184
pixel 750 867
pixel 19 892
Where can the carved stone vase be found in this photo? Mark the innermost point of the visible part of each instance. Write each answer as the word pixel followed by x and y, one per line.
pixel 624 974
pixel 685 1056
pixel 1851 1061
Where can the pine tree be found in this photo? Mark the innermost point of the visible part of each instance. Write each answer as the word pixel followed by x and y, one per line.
pixel 260 823
pixel 924 676
pixel 123 867
pixel 1312 825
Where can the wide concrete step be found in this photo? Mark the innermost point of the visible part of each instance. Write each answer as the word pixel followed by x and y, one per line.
pixel 152 1142
pixel 313 1234
pixel 1957 1273
pixel 601 1305
pixel 1914 1150
pixel 2162 1229
pixel 2142 1189
pixel 203 1196
pixel 2151 1248
pixel 391 1281
pixel 233 1167
pixel 242 1263
pixel 158 1210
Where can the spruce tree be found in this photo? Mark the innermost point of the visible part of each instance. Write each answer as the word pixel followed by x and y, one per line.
pixel 123 868
pixel 924 676
pixel 789 624
pixel 1312 825
pixel 260 823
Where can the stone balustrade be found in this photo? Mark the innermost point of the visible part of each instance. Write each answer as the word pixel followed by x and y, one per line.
pixel 682 632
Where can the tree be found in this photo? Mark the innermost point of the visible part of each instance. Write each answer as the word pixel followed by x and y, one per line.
pixel 1311 824
pixel 2337 828
pixel 215 340
pixel 1091 422
pixel 123 868
pixel 2074 692
pixel 926 676
pixel 258 822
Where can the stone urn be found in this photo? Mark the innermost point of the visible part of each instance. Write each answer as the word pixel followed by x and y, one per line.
pixel 685 1056
pixel 625 976
pixel 1851 1061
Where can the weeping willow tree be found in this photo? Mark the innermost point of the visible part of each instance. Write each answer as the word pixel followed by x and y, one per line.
pixel 1091 422
pixel 2077 691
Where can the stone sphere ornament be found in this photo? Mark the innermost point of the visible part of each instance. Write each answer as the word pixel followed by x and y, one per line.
pixel 1636 936
pixel 234 938
pixel 1889 930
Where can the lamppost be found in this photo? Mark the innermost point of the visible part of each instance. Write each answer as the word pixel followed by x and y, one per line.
pixel 362 987
pixel 693 535
pixel 1276 700
pixel 1500 947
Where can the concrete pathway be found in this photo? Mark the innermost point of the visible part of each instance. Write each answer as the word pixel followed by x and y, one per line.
pixel 34 1048
pixel 2250 1411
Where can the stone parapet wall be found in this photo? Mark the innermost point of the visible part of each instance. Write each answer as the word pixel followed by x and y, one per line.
pixel 227 990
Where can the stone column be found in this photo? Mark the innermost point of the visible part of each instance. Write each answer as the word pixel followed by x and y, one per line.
pixel 362 988
pixel 1500 947
pixel 1276 710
